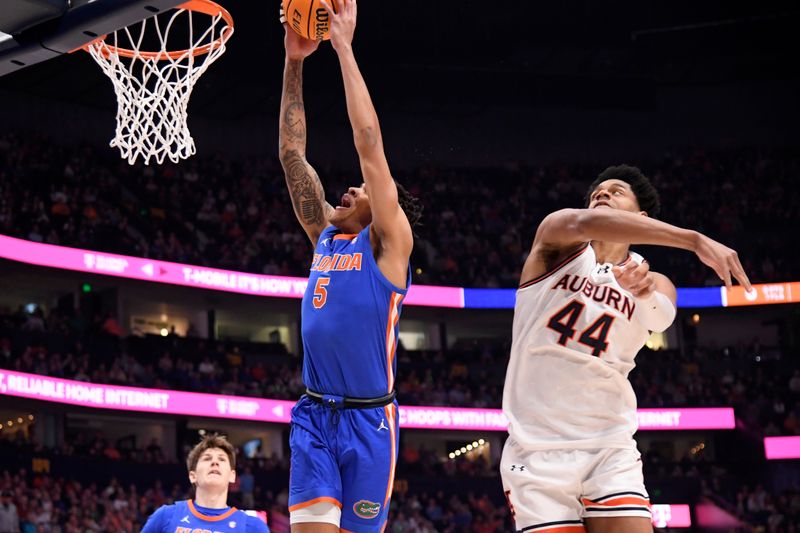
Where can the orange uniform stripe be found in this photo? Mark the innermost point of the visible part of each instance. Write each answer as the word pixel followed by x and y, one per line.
pixel 391 322
pixel 627 500
pixel 394 341
pixel 388 340
pixel 390 416
pixel 303 505
pixel 201 516
pixel 345 236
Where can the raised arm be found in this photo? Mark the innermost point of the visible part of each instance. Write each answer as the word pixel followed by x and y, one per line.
pixel 388 219
pixel 305 188
pixel 569 228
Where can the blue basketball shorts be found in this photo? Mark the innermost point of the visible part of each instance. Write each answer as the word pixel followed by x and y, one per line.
pixel 346 457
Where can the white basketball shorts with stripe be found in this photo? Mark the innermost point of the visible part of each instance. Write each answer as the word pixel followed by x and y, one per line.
pixel 554 490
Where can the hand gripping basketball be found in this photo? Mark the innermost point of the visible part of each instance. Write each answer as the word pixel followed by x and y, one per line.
pixel 297 47
pixel 342 22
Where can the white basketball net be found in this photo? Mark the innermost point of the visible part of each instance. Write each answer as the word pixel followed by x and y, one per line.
pixel 153 89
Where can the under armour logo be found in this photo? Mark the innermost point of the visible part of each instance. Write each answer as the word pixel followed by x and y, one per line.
pixel 517 467
pixel 185 519
pixel 383 425
pixel 602 274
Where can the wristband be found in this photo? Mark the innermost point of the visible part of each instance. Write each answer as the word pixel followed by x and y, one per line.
pixel 656 312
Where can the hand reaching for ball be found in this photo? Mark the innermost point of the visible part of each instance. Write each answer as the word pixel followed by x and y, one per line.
pixel 342 23
pixel 297 47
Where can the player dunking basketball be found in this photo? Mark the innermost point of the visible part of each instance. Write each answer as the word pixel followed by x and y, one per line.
pixel 344 433
pixel 585 306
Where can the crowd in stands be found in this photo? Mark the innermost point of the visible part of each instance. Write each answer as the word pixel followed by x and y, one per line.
pixel 769 511
pixel 449 513
pixel 46 503
pixel 478 226
pixel 478 223
pixel 763 385
pixel 760 509
pixel 51 504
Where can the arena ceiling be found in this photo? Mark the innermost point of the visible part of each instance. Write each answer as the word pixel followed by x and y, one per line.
pixel 585 53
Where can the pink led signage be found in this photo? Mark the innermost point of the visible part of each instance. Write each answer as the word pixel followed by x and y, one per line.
pixel 84 394
pixel 124 266
pixel 665 515
pixel 782 447
pixel 452 418
pixel 693 418
pixel 66 391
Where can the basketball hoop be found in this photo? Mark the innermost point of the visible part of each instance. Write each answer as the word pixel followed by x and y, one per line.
pixel 153 87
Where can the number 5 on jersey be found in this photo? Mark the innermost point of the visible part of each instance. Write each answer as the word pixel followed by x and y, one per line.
pixel 595 336
pixel 320 292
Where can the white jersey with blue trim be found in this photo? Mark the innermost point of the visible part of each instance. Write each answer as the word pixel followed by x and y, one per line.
pixel 574 341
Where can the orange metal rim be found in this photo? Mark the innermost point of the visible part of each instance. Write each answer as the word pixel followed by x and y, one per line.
pixel 208 7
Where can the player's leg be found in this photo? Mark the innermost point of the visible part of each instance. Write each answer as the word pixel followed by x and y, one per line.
pixel 615 499
pixel 543 488
pixel 317 518
pixel 368 443
pixel 315 491
pixel 619 524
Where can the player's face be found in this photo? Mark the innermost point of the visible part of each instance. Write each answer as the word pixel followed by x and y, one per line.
pixel 353 212
pixel 614 194
pixel 213 469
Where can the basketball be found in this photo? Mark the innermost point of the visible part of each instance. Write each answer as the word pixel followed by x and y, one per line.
pixel 308 18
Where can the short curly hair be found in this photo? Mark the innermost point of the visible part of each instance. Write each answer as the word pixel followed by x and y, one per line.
pixel 646 194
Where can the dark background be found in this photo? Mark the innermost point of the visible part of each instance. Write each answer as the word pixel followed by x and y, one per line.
pixel 479 82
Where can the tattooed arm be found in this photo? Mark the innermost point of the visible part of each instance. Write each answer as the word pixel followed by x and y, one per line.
pixel 305 188
pixel 389 223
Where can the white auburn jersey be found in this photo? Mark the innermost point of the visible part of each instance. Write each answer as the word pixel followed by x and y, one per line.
pixel 574 341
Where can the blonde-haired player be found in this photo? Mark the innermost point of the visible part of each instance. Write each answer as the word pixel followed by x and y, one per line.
pixel 584 308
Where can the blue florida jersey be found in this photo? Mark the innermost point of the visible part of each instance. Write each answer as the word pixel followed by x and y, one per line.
pixel 186 517
pixel 349 319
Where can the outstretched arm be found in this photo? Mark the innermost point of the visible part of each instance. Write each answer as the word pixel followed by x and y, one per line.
pixel 305 188
pixel 571 227
pixel 388 218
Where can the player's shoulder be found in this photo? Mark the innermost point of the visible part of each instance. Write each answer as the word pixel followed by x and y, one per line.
pixel 549 261
pixel 329 231
pixel 168 509
pixel 255 525
pixel 160 519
